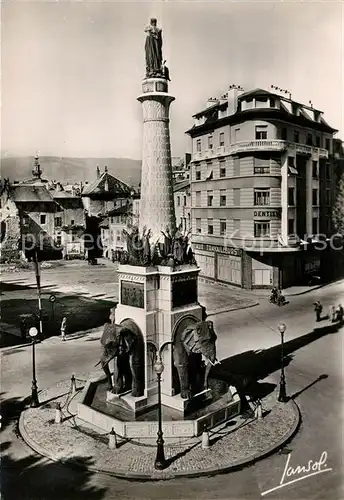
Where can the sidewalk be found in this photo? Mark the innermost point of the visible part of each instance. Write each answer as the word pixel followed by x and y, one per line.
pixel 10 335
pixel 265 292
pixel 218 299
pixel 231 446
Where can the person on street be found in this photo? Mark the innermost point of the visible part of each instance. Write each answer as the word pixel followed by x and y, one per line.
pixel 63 328
pixel 274 294
pixel 332 314
pixel 340 313
pixel 318 308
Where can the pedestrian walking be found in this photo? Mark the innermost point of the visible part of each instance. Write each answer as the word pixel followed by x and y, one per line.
pixel 63 328
pixel 332 313
pixel 318 308
pixel 340 313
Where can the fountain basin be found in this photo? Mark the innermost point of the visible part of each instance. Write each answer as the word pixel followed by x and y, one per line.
pixel 119 415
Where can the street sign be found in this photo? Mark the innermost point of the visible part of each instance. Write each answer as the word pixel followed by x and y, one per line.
pixel 52 298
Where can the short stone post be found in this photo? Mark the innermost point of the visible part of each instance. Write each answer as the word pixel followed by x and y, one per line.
pixel 112 439
pixel 258 413
pixel 205 439
pixel 73 385
pixel 58 414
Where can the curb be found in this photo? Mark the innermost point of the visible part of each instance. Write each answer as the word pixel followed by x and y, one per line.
pixel 234 308
pixel 314 288
pixel 239 290
pixel 132 476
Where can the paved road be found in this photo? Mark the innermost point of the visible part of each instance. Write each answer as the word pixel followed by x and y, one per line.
pixel 101 283
pixel 239 332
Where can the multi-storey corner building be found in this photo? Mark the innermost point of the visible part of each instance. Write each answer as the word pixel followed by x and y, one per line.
pixel 262 188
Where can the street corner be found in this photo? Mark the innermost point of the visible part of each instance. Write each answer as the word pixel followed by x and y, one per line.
pixel 54 431
pixel 220 299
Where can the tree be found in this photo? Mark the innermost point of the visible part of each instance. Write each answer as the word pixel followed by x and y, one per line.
pixel 338 207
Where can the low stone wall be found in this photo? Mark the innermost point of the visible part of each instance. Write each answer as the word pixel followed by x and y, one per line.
pixel 149 429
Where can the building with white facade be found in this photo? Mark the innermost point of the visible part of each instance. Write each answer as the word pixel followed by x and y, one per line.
pixel 262 188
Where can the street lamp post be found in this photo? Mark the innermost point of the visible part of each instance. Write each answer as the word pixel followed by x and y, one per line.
pixel 38 283
pixel 34 393
pixel 160 461
pixel 282 397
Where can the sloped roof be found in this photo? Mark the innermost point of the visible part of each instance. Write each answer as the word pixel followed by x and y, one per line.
pixel 104 223
pixel 115 186
pixel 120 211
pixel 72 202
pixel 180 186
pixel 257 91
pixel 26 193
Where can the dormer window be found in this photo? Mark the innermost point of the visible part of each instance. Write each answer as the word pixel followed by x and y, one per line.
pixel 261 102
pixel 272 102
pixel 295 109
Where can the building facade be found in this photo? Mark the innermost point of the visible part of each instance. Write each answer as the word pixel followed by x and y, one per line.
pixel 103 194
pixel 27 218
pixel 69 223
pixel 262 187
pixel 182 204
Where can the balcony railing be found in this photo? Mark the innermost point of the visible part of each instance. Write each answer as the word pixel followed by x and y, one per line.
pixel 259 145
pixel 210 153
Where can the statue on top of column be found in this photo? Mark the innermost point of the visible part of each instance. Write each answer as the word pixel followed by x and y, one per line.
pixel 153 47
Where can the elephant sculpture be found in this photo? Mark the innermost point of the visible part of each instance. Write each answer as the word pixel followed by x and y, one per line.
pixel 123 344
pixel 193 345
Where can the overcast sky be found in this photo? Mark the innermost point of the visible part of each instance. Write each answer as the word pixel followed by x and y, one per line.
pixel 71 71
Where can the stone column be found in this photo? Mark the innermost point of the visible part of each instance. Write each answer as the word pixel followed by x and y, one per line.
pixel 157 204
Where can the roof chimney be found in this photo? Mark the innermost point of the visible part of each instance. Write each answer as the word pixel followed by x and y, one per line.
pixel 105 169
pixel 233 92
pixel 211 101
pixel 98 172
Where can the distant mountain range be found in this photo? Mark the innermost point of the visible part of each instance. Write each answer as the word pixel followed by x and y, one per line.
pixel 71 169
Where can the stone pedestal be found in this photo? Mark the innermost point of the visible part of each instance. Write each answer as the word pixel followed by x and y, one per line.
pixel 158 300
pixel 185 405
pixel 157 204
pixel 127 400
